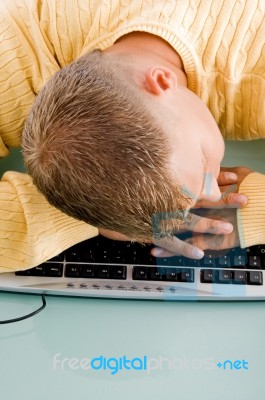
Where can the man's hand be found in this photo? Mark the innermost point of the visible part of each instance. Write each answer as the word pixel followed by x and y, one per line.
pixel 205 240
pixel 195 223
pixel 173 245
pixel 229 180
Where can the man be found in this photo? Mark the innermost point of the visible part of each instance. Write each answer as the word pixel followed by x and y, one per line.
pixel 165 57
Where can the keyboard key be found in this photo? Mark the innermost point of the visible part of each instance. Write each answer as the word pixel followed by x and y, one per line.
pixel 224 261
pixel 72 271
pixel 53 269
pixel 169 274
pixel 72 255
pixel 103 271
pixel 87 271
pixel 37 271
pixel 224 276
pixel 254 278
pixel 186 275
pixel 103 256
pixel 239 261
pixel 151 260
pixel 155 274
pixel 118 272
pixel 254 262
pixel 208 261
pixel 240 277
pixel 207 276
pixel 139 273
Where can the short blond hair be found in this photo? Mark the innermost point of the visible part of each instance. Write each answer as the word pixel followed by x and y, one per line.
pixel 96 153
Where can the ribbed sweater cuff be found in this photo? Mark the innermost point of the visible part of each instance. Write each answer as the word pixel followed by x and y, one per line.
pixel 251 219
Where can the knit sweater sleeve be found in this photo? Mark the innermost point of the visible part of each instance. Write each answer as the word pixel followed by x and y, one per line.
pixel 251 219
pixel 32 231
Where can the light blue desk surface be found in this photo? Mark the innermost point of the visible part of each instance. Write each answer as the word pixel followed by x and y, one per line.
pixel 183 342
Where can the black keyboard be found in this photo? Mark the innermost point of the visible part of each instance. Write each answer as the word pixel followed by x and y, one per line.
pixel 101 267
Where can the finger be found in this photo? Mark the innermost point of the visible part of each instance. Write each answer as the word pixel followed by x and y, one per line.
pixel 173 245
pixel 233 200
pixel 197 223
pixel 230 196
pixel 228 200
pixel 225 177
pixel 159 252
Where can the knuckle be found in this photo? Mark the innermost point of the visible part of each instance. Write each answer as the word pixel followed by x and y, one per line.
pixel 226 198
pixel 212 224
pixel 185 248
pixel 168 243
pixel 189 220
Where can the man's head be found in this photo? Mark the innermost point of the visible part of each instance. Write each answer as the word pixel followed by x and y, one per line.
pixel 108 141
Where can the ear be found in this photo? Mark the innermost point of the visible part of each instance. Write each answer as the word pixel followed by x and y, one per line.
pixel 159 79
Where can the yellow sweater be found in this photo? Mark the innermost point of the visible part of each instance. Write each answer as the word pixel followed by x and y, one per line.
pixel 221 45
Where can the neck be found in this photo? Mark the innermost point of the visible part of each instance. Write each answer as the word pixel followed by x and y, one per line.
pixel 150 49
